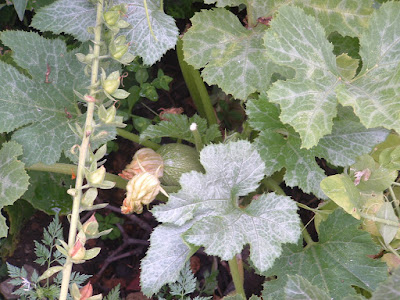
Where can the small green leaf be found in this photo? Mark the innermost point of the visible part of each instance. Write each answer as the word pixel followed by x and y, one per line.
pixel 178 126
pixel 50 272
pixel 388 232
pixel 13 179
pixel 344 193
pixel 347 66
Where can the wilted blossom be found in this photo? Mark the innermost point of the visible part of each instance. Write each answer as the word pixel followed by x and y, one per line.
pixel 141 190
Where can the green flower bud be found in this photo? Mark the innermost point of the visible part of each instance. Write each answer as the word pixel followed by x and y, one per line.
pixel 96 177
pixel 119 51
pixel 111 17
pixel 110 86
pixel 91 226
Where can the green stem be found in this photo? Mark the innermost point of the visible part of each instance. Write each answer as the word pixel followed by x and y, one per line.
pixel 237 278
pixel 394 199
pixel 88 130
pixel 135 138
pixel 393 251
pixel 380 220
pixel 196 87
pixel 197 138
pixel 72 169
pixel 251 21
pixel 306 235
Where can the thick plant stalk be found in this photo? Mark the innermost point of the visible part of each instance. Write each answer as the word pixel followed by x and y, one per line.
pixel 237 278
pixel 82 153
pixel 196 87
pixel 135 138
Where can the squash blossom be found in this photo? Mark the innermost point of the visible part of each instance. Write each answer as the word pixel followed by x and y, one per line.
pixel 144 160
pixel 141 190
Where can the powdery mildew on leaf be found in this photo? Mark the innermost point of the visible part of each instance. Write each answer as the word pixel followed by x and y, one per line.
pixel 338 261
pixel 280 146
pixel 375 92
pixel 42 106
pixel 233 57
pixel 164 259
pixel 308 102
pixel 13 179
pixel 347 17
pixel 74 17
pixel 209 204
pixel 390 288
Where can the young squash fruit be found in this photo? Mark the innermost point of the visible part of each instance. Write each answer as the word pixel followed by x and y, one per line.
pixel 178 159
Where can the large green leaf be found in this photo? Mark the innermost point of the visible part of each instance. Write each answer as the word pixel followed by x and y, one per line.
pixel 336 263
pixel 74 17
pixel 308 101
pixel 221 225
pixel 178 126
pixel 280 145
pixel 40 111
pixel 13 179
pixel 375 92
pixel 347 17
pixel 299 288
pixel 48 192
pixel 233 57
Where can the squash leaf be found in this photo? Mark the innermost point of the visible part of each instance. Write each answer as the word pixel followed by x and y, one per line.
pixel 336 263
pixel 13 179
pixel 280 146
pixel 233 57
pixel 299 288
pixel 82 14
pixel 37 110
pixel 207 207
pixel 309 101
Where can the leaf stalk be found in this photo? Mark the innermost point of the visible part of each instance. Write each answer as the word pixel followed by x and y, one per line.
pixel 236 277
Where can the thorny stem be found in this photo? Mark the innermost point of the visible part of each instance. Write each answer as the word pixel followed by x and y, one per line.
pixel 237 279
pixel 135 138
pixel 82 153
pixel 72 170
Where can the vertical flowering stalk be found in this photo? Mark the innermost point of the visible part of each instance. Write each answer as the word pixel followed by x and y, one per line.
pixel 83 152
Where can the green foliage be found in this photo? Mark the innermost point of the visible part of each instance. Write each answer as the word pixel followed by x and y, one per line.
pixel 36 110
pixel 13 178
pixel 83 12
pixel 184 285
pixel 338 261
pixel 178 126
pixel 29 286
pixel 109 222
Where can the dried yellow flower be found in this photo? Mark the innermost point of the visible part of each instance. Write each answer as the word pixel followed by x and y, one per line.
pixel 141 190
